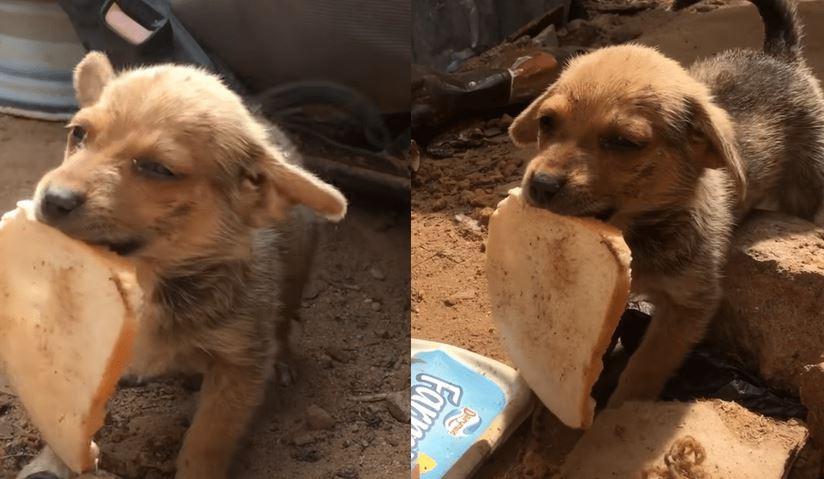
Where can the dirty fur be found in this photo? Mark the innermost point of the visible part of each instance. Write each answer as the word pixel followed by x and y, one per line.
pixel 166 166
pixel 676 158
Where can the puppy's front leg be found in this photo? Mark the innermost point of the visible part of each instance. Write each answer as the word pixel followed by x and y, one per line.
pixel 229 397
pixel 673 331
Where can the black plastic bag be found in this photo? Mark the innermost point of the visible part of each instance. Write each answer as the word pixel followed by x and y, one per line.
pixel 706 375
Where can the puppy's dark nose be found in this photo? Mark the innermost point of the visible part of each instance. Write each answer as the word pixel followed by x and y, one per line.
pixel 58 202
pixel 542 187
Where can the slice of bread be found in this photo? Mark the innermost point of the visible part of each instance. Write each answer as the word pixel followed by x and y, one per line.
pixel 67 323
pixel 558 286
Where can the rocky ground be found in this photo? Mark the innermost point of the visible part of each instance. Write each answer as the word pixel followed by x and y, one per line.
pixel 466 170
pixel 330 424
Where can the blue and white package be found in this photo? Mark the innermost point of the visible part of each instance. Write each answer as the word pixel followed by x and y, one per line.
pixel 458 400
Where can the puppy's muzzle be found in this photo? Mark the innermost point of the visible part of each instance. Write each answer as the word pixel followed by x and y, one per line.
pixel 542 187
pixel 57 203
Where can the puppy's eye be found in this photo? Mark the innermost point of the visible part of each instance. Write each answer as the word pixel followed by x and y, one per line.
pixel 78 134
pixel 152 169
pixel 546 123
pixel 620 143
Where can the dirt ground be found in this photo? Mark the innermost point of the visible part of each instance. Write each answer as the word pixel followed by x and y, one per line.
pixel 465 172
pixel 355 343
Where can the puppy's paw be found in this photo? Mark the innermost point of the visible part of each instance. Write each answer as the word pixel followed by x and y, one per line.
pixel 45 466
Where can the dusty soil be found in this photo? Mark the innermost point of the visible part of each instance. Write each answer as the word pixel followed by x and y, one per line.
pixel 355 343
pixel 465 171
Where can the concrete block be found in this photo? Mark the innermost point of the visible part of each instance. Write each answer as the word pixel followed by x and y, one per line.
pixel 702 439
pixel 773 316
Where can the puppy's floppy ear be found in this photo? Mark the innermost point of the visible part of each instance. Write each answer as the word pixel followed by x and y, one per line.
pixel 524 128
pixel 90 77
pixel 715 126
pixel 279 185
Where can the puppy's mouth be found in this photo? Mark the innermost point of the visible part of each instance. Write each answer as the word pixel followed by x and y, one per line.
pixel 122 248
pixel 605 215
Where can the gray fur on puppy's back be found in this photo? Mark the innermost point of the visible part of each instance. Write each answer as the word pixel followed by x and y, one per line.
pixel 777 107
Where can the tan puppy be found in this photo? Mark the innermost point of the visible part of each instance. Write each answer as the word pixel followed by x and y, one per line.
pixel 165 165
pixel 675 158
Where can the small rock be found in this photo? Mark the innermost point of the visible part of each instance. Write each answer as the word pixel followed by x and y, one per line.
pixel 398 405
pixel 459 297
pixel 481 198
pixel 325 361
pixel 468 225
pixel 377 274
pixel 304 439
pixel 485 214
pixel 476 133
pixel 318 419
pixel 313 289
pixel 371 417
pixel 376 306
pixel 338 354
pixel 490 132
pixel 348 472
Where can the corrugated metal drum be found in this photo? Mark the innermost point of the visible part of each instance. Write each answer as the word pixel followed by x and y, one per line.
pixel 38 49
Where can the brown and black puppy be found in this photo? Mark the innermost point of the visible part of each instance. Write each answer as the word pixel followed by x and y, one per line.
pixel 165 165
pixel 675 158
